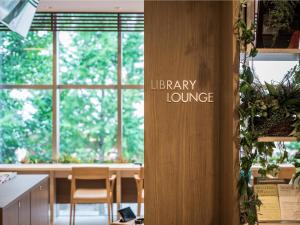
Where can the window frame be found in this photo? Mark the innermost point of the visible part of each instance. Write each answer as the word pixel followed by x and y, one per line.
pixel 56 88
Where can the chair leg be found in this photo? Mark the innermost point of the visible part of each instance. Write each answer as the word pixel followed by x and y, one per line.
pixel 74 214
pixel 112 212
pixel 108 209
pixel 71 211
pixel 139 209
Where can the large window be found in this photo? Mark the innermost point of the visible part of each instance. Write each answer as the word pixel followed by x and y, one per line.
pixel 72 95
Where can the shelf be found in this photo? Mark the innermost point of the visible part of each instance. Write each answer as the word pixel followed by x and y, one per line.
pixel 280 223
pixel 279 50
pixel 277 54
pixel 277 139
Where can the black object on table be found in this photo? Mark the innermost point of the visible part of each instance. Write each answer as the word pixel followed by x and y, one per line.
pixel 126 214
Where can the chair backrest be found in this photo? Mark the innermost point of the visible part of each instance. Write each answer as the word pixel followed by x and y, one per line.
pixel 141 173
pixel 90 173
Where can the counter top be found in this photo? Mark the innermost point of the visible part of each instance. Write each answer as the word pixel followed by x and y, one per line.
pixel 15 188
pixel 65 167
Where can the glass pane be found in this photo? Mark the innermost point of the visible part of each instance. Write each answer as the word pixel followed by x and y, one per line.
pixel 26 60
pixel 133 125
pixel 88 57
pixel 88 125
pixel 268 71
pixel 25 126
pixel 133 58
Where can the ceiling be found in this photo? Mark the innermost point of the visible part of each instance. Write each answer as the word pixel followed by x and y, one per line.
pixel 91 6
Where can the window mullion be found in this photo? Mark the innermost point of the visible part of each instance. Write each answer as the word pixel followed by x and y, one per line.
pixel 120 122
pixel 55 101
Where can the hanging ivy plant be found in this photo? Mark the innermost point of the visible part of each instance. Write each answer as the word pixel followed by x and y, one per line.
pixel 248 199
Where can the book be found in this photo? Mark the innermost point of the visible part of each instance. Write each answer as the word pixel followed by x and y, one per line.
pixel 295 39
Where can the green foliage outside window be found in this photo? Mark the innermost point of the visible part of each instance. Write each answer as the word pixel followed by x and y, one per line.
pixel 87 117
pixel 88 123
pixel 26 61
pixel 88 57
pixel 26 119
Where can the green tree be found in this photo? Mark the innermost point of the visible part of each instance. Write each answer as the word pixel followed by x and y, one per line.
pixel 25 115
pixel 133 100
pixel 88 125
pixel 88 117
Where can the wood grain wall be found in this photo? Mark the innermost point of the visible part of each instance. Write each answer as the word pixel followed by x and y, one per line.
pixel 190 151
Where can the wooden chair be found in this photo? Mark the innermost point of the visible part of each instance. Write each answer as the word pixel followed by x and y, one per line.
pixel 92 196
pixel 139 178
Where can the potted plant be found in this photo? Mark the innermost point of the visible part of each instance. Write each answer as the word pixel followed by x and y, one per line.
pixel 278 24
pixel 278 106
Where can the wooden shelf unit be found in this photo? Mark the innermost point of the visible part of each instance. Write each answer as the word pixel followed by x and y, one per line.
pixel 277 139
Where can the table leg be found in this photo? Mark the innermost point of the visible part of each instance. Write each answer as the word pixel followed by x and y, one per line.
pixel 52 197
pixel 119 191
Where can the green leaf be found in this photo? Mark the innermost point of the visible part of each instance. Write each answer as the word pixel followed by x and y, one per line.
pixel 293 101
pixel 253 52
pixel 271 89
pixel 248 75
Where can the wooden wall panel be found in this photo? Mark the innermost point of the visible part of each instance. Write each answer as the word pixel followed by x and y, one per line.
pixel 229 120
pixel 186 143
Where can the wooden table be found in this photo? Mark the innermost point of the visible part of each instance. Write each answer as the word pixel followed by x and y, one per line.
pixel 63 170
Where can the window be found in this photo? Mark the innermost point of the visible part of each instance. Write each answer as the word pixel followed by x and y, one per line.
pixel 70 94
pixel 26 125
pixel 272 71
pixel 133 129
pixel 133 58
pixel 95 63
pixel 88 126
pixel 26 61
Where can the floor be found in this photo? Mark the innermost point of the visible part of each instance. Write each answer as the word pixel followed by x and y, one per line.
pixel 83 220
pixel 88 214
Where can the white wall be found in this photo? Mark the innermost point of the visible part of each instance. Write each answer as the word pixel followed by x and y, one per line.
pixel 91 5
